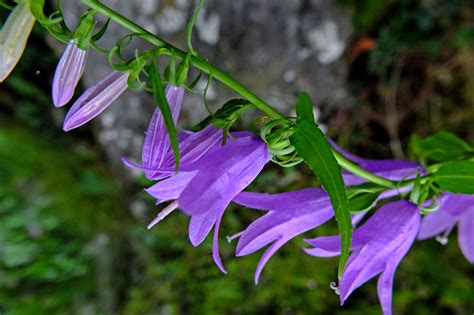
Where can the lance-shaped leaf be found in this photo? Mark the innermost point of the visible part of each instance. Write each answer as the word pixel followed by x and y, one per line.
pixel 440 147
pixel 68 73
pixel 13 37
pixel 96 99
pixel 456 177
pixel 311 144
pixel 163 105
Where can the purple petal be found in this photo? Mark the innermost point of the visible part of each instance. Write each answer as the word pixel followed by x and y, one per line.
pixel 387 220
pixel 466 234
pixel 385 282
pixel 300 216
pixel 96 99
pixel 456 204
pixel 215 244
pixel 200 226
pixel 356 218
pixel 291 214
pixel 435 223
pixel 157 142
pixel 293 200
pixel 171 188
pixel 68 73
pixel 387 246
pixel 224 174
pixel 266 257
pixel 196 145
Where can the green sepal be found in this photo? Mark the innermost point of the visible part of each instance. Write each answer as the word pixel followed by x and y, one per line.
pixel 97 36
pixel 182 71
pixel 84 31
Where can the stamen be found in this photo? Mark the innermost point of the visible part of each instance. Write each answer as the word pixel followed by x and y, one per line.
pixel 333 286
pixel 163 213
pixel 443 238
pixel 233 237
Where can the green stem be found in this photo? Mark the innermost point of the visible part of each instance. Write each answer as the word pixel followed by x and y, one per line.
pixel 219 75
pixel 196 61
pixel 356 170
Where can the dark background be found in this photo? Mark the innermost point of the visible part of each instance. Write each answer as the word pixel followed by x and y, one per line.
pixel 72 218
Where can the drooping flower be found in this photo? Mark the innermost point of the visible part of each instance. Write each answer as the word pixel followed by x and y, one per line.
pixel 96 99
pixel 454 208
pixel 68 73
pixel 203 189
pixel 289 215
pixel 377 247
pixel 157 141
pixel 13 37
pixel 293 213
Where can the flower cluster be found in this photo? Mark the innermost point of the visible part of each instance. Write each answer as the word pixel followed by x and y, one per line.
pixel 216 166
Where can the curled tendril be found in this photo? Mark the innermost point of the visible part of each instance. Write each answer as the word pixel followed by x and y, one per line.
pixel 434 206
pixel 276 134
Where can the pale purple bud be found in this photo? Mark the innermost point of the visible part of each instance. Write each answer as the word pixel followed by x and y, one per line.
pixel 13 37
pixel 68 73
pixel 96 99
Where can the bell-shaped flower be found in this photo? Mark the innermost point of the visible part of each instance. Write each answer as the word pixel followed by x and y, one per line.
pixel 68 73
pixel 96 99
pixel 13 37
pixel 289 215
pixel 203 189
pixel 454 208
pixel 377 247
pixel 157 142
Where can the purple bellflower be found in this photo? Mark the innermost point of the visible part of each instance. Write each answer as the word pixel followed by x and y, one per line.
pixel 157 142
pixel 210 174
pixel 289 215
pixel 293 213
pixel 454 208
pixel 96 99
pixel 13 37
pixel 68 73
pixel 203 189
pixel 377 247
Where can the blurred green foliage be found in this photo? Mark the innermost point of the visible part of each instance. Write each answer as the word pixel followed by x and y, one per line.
pixel 69 244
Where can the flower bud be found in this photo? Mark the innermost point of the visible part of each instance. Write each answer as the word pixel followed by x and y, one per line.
pixel 68 73
pixel 13 37
pixel 96 99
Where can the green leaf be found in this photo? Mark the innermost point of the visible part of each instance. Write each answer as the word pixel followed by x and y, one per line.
pixel 304 107
pixel 440 147
pixel 363 202
pixel 311 144
pixel 456 177
pixel 162 103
